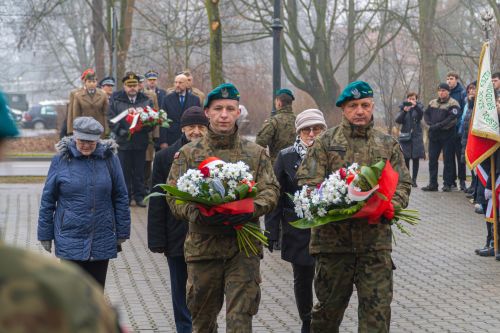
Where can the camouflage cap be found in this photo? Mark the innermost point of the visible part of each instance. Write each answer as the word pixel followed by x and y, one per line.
pixel 224 91
pixel 8 127
pixel 354 90
pixel 285 91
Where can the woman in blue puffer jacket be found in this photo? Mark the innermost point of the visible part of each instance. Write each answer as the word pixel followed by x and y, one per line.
pixel 84 207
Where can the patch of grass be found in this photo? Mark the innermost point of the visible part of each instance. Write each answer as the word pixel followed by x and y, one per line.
pixel 22 179
pixel 30 155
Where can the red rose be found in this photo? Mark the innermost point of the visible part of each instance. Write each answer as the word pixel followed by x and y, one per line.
pixel 318 186
pixel 205 171
pixel 343 173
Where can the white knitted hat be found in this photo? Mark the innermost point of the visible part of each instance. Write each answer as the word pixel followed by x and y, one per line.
pixel 309 117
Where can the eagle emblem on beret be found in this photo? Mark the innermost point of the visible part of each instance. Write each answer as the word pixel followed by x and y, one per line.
pixel 224 93
pixel 355 93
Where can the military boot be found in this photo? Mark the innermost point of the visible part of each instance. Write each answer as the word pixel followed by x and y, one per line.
pixel 430 188
pixel 487 252
pixel 463 187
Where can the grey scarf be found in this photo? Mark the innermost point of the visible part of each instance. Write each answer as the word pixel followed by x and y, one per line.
pixel 300 147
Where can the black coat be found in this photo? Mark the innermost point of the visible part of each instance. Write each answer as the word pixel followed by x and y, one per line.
pixel 163 229
pixel 119 103
pixel 411 123
pixel 295 242
pixel 171 104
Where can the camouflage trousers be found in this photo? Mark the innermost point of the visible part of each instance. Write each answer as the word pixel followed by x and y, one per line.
pixel 335 276
pixel 238 278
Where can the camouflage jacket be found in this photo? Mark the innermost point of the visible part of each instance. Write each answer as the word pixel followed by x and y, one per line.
pixel 40 294
pixel 346 144
pixel 278 132
pixel 219 242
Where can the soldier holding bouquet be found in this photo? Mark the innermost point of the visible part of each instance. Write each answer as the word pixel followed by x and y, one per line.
pixel 353 252
pixel 216 266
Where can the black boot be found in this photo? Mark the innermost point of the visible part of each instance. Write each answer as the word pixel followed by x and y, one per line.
pixel 414 183
pixel 463 187
pixel 488 252
pixel 430 188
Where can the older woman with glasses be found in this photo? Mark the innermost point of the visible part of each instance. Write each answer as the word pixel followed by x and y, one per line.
pixel 84 207
pixel 295 242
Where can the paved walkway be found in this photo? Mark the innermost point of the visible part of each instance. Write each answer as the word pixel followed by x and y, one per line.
pixel 440 284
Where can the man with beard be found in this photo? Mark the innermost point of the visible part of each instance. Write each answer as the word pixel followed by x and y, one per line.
pixel 166 234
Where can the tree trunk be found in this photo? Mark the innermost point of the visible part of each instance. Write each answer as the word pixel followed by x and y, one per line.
pixel 98 38
pixel 124 36
pixel 429 78
pixel 351 48
pixel 326 104
pixel 216 74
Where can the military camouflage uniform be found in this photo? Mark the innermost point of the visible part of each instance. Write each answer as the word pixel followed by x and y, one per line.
pixel 278 132
pixel 41 295
pixel 353 252
pixel 215 264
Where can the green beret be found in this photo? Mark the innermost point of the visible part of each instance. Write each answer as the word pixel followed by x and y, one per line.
pixel 285 91
pixel 8 126
pixel 224 91
pixel 354 90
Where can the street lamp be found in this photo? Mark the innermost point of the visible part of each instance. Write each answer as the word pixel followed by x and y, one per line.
pixel 277 27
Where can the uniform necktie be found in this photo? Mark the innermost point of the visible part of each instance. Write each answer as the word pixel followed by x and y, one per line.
pixel 181 98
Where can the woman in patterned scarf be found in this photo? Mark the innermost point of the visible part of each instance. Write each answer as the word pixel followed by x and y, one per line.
pixel 295 242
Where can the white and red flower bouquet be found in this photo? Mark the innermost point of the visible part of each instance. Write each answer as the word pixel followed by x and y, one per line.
pixel 218 187
pixel 354 192
pixel 147 116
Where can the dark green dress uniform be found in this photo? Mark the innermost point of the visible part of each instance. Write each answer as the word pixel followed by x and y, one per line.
pixel 353 252
pixel 216 267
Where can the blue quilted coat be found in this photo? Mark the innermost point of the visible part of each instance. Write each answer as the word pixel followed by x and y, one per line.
pixel 84 206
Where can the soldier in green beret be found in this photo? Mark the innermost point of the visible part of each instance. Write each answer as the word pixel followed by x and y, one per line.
pixel 353 252
pixel 278 132
pixel 40 294
pixel 215 265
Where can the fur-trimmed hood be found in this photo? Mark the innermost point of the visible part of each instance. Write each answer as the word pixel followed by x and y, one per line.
pixel 67 148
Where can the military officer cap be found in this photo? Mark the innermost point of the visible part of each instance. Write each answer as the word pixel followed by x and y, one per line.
pixel 354 90
pixel 130 79
pixel 224 91
pixel 285 91
pixel 107 81
pixel 444 86
pixel 151 75
pixel 8 127
pixel 88 74
pixel 141 78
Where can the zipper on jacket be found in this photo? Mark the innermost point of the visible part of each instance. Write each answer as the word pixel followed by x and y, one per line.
pixel 62 222
pixel 93 208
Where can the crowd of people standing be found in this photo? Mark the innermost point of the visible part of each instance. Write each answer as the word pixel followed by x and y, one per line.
pixel 93 180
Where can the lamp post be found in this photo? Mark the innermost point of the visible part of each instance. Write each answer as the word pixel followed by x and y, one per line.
pixel 486 16
pixel 114 27
pixel 277 28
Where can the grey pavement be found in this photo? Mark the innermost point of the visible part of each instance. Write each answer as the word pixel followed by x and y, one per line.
pixel 24 168
pixel 440 284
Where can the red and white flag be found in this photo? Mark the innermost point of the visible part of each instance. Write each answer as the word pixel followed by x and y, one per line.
pixel 484 137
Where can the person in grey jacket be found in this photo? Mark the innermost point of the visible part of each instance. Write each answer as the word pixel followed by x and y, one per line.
pixel 84 207
pixel 411 138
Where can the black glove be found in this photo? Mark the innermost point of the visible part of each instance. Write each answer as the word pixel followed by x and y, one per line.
pixel 234 220
pixel 270 245
pixel 214 219
pixel 157 249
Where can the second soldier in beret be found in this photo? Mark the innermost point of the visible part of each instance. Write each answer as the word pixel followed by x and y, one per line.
pixel 278 132
pixel 353 252
pixel 216 266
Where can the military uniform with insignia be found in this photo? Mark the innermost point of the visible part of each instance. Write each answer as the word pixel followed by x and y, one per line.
pixel 353 252
pixel 216 266
pixel 278 132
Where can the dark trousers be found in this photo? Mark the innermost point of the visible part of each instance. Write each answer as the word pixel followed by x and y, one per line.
pixel 415 162
pixel 303 277
pixel 455 151
pixel 97 269
pixel 178 279
pixel 148 168
pixel 436 146
pixel 132 162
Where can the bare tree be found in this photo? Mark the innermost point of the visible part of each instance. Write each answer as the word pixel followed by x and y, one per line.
pixel 322 38
pixel 214 23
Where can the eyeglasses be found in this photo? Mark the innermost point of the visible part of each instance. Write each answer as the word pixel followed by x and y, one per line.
pixel 86 142
pixel 314 129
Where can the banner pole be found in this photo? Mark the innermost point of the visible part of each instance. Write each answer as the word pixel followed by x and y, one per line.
pixel 494 203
